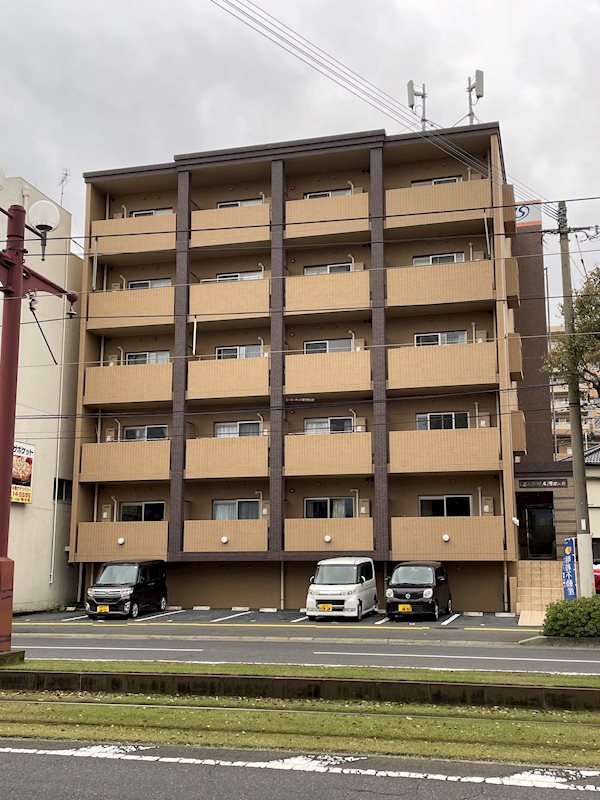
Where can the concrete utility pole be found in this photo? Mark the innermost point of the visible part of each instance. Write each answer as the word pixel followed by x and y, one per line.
pixel 584 538
pixel 17 280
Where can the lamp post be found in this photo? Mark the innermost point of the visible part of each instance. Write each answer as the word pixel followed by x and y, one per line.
pixel 17 281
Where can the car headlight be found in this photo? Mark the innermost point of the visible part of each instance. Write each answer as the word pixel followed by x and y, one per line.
pixel 389 593
pixel 427 594
pixel 90 593
pixel 126 592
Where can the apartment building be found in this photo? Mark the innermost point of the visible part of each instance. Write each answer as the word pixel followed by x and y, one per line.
pixel 302 350
pixel 40 514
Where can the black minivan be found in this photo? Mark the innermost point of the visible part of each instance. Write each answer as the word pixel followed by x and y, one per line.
pixel 418 587
pixel 125 588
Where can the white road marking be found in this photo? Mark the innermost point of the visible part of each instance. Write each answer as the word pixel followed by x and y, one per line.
pixel 450 619
pixel 381 621
pixel 121 649
pixel 468 658
pixel 300 619
pixel 553 778
pixel 162 614
pixel 231 616
pixel 68 619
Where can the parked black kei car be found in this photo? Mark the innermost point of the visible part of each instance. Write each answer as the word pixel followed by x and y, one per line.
pixel 125 589
pixel 418 587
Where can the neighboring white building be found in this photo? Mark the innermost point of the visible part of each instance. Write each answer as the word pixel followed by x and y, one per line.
pixel 39 531
pixel 592 472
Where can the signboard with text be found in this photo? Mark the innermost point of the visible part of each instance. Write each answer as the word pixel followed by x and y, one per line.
pixel 22 473
pixel 569 575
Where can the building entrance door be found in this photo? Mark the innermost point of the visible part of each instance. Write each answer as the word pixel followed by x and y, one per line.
pixel 541 539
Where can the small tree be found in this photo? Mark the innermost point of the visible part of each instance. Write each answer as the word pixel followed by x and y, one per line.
pixel 583 348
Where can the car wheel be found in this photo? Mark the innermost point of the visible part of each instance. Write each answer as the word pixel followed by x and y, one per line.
pixel 92 616
pixel 311 617
pixel 359 612
pixel 436 611
pixel 449 606
pixel 135 610
pixel 375 605
pixel 391 617
pixel 162 606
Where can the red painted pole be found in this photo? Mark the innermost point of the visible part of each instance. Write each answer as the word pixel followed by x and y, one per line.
pixel 9 364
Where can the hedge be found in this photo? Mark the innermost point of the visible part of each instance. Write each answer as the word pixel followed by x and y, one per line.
pixel 576 618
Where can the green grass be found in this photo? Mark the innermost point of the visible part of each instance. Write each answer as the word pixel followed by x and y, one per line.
pixel 288 670
pixel 518 735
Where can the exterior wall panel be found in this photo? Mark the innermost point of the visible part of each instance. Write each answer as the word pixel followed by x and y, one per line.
pixel 106 462
pixel 428 205
pixel 450 365
pixel 139 383
pixel 345 291
pixel 215 302
pixel 216 379
pixel 347 535
pixel 328 372
pixel 327 216
pixel 241 457
pixel 243 536
pixel 98 541
pixel 471 538
pixel 440 284
pixel 335 454
pixel 130 308
pixel 134 234
pixel 219 226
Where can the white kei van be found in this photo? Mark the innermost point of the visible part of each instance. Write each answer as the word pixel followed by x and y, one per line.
pixel 342 587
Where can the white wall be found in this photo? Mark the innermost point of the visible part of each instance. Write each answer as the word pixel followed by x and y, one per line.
pixel 593 488
pixel 39 531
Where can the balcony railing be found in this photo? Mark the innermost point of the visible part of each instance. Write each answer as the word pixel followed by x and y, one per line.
pixel 130 309
pixel 328 454
pixel 354 534
pixel 468 450
pixel 228 378
pixel 139 383
pixel 125 461
pixel 327 216
pixel 215 301
pixel 239 457
pixel 142 541
pixel 328 373
pixel 443 366
pixel 222 226
pixel 440 284
pixel 519 434
pixel 515 357
pixel 344 291
pixel 470 538
pixel 134 234
pixel 435 205
pixel 241 535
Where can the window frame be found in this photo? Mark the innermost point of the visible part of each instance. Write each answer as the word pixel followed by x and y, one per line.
pixel 235 277
pixel 151 212
pixel 145 428
pixel 443 497
pixel 143 504
pixel 237 348
pixel 237 501
pixel 430 414
pixel 329 500
pixel 238 423
pixel 440 335
pixel 432 263
pixel 324 194
pixel 151 283
pixel 249 201
pixel 441 181
pixel 147 362
pixel 327 342
pixel 63 490
pixel 328 420
pixel 327 268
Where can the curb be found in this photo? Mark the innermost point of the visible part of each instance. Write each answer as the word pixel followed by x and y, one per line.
pixel 589 643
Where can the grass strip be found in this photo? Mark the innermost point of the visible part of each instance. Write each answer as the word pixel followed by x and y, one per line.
pixel 540 737
pixel 291 670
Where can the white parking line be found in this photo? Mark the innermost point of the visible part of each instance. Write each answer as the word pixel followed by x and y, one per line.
pixel 69 619
pixel 231 616
pixel 381 621
pixel 115 649
pixel 162 614
pixel 467 658
pixel 450 619
pixel 299 619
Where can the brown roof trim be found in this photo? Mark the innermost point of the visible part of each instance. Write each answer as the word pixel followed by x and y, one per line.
pixel 145 171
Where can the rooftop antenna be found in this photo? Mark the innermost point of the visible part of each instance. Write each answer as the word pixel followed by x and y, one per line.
pixel 64 179
pixel 412 93
pixel 476 86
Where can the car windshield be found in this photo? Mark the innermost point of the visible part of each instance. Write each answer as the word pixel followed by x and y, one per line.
pixel 335 574
pixel 412 575
pixel 117 574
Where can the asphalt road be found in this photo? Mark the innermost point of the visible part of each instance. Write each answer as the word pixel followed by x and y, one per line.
pixel 41 770
pixel 481 643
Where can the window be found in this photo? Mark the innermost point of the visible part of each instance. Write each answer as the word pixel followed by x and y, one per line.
pixel 151 212
pixel 450 505
pixel 231 430
pixel 366 571
pixel 235 509
pixel 143 433
pixel 441 258
pixel 328 425
pixel 231 277
pixel 151 283
pixel 437 181
pixel 148 357
pixel 239 351
pixel 327 193
pixel 253 201
pixel 445 337
pixel 328 346
pixel 329 269
pixel 442 421
pixel 63 490
pixel 335 575
pixel 142 512
pixel 328 507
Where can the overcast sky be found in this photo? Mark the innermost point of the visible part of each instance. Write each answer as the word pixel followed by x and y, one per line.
pixel 96 84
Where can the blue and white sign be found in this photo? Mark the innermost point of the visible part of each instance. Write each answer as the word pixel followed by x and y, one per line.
pixel 529 214
pixel 569 575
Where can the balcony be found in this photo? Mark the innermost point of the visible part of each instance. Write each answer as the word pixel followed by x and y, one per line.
pixel 512 282
pixel 241 457
pixel 519 433
pixel 345 291
pixel 130 309
pixel 240 300
pixel 324 373
pixel 213 379
pixel 107 462
pixel 437 205
pixel 515 357
pixel 333 454
pixel 328 216
pixel 221 226
pixel 135 234
pixel 98 541
pixel 443 366
pixel 510 209
pixel 353 535
pixel 468 450
pixel 471 539
pixel 442 284
pixel 243 536
pixel 134 384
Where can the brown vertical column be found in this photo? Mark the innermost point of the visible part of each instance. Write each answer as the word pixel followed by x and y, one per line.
pixel 277 357
pixel 182 269
pixel 379 358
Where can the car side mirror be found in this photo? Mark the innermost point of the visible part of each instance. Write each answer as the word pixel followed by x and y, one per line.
pixel 362 579
pixel 441 579
pixel 312 579
pixel 387 578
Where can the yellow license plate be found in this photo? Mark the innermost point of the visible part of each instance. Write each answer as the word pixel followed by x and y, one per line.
pixel 405 607
pixel 103 609
pixel 325 607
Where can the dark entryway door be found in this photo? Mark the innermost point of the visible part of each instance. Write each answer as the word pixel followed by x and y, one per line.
pixel 541 538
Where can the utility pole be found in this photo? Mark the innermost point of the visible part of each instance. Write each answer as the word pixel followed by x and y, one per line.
pixel 584 538
pixel 17 280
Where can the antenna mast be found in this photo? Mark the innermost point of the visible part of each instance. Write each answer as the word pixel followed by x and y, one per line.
pixel 412 93
pixel 477 87
pixel 64 179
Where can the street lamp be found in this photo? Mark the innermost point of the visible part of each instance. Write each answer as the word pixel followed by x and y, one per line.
pixel 17 280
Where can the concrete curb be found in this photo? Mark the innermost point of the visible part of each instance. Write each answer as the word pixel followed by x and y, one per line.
pixel 384 691
pixel 589 643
